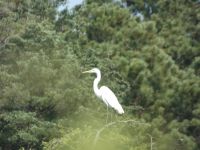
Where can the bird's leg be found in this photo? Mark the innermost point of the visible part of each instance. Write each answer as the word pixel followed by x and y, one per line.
pixel 107 115
pixel 116 117
pixel 111 116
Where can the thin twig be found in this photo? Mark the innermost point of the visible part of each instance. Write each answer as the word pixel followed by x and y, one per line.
pixel 113 123
pixel 151 138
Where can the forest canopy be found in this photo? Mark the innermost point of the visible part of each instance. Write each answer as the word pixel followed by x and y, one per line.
pixel 149 55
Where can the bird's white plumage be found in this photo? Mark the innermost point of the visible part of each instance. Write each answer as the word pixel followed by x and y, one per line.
pixel 110 99
pixel 104 93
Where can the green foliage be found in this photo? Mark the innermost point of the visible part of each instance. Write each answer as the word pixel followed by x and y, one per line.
pixel 22 129
pixel 152 65
pixel 121 135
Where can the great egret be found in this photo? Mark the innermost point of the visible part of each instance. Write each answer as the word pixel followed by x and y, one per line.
pixel 104 93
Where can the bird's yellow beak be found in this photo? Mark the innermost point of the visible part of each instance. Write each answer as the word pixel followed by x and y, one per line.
pixel 86 71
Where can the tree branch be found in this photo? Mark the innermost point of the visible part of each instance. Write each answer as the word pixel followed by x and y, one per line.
pixel 113 123
pixel 151 138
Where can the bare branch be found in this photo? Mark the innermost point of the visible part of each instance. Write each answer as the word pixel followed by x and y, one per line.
pixel 151 138
pixel 113 123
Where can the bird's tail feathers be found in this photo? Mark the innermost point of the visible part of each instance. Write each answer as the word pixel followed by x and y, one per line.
pixel 120 110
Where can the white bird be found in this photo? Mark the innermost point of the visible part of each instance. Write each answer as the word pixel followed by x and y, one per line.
pixel 105 93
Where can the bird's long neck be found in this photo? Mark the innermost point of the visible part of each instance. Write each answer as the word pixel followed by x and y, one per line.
pixel 95 84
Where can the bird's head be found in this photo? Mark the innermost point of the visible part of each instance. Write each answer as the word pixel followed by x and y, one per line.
pixel 94 70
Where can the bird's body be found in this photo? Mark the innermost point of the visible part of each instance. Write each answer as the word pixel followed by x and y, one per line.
pixel 104 93
pixel 109 97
